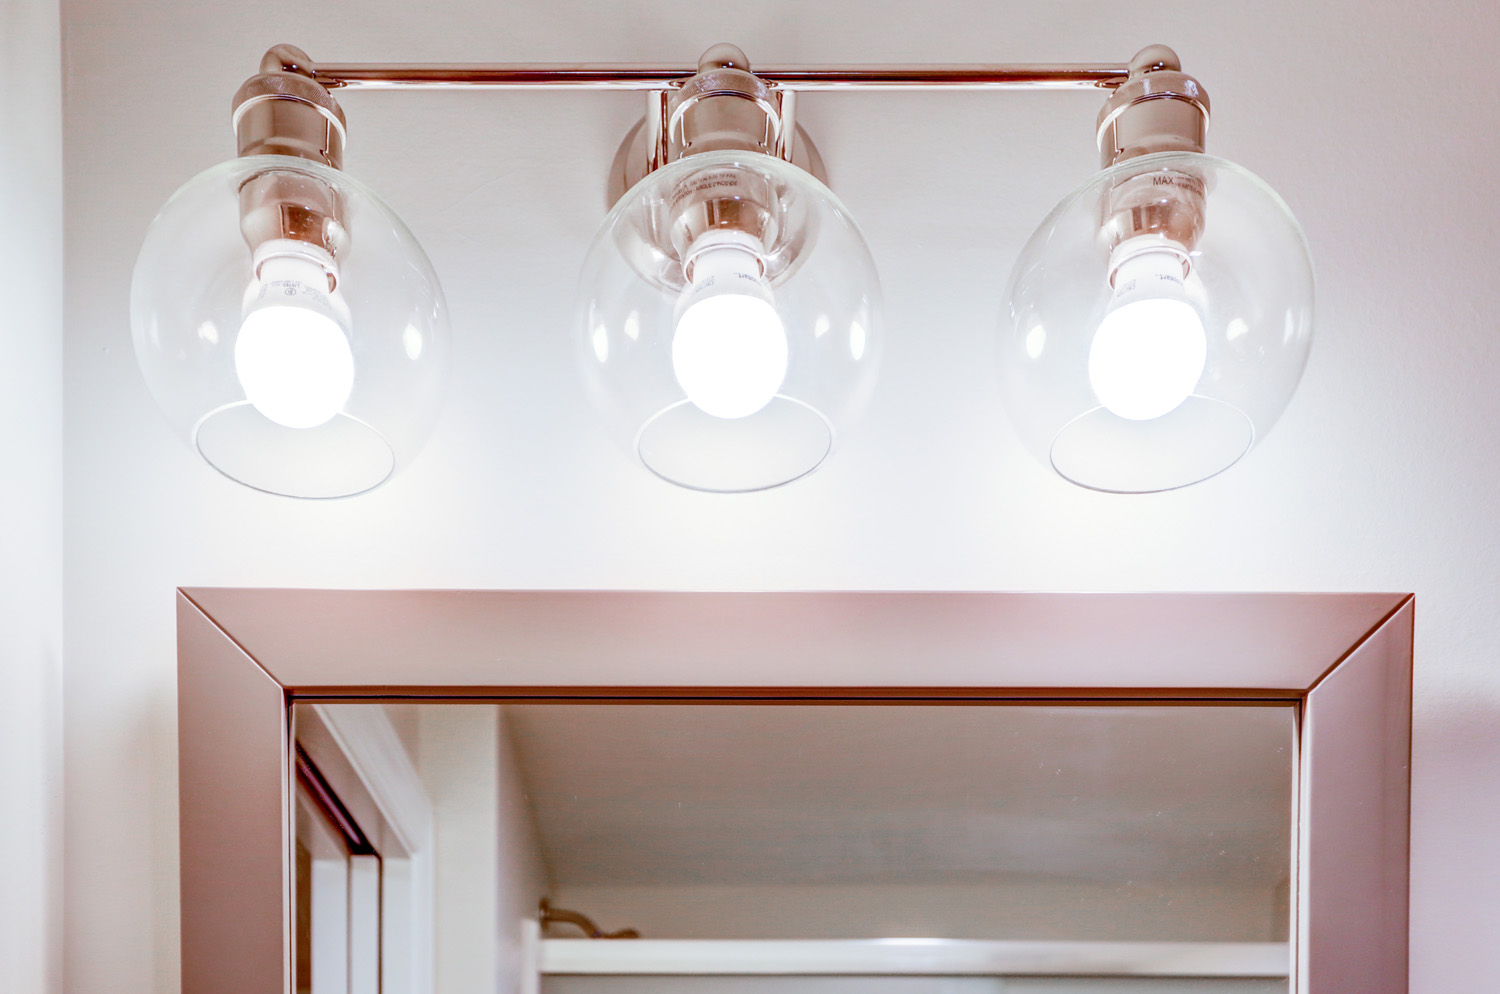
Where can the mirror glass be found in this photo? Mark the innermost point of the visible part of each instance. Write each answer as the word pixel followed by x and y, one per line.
pixel 766 848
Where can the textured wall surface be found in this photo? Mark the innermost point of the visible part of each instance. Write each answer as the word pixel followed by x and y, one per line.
pixel 1378 126
pixel 31 592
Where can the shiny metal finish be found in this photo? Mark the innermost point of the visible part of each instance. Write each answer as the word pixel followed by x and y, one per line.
pixel 286 113
pixel 1352 891
pixel 723 108
pixel 244 656
pixel 286 58
pixel 282 111
pixel 723 56
pixel 236 776
pixel 723 200
pixel 548 915
pixel 286 204
pixel 786 135
pixel 642 152
pixel 689 109
pixel 1159 108
pixel 547 76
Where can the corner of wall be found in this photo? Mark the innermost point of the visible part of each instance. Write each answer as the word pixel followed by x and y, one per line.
pixel 31 277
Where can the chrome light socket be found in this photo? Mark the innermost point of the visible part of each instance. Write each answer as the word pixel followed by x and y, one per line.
pixel 283 111
pixel 1158 108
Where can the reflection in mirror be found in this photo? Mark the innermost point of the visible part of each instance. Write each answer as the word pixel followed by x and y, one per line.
pixel 826 848
pixel 337 891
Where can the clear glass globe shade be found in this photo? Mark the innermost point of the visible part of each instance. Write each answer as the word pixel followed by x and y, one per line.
pixel 212 356
pixel 1126 406
pixel 819 280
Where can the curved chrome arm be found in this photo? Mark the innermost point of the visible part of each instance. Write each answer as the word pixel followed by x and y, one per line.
pixel 549 915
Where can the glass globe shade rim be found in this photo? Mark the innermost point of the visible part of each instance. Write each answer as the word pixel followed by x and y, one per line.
pixel 396 461
pixel 828 452
pixel 1047 455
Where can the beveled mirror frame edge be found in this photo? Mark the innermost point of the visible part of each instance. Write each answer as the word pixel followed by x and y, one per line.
pixel 244 656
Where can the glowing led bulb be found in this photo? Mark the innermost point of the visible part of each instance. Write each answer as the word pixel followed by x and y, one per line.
pixel 1150 349
pixel 292 353
pixel 729 352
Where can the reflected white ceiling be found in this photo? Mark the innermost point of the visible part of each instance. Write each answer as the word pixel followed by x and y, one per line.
pixel 729 795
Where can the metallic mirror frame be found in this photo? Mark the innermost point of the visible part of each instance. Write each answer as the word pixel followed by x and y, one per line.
pixel 246 655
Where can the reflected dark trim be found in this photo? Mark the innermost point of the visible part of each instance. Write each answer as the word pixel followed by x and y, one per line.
pixel 311 779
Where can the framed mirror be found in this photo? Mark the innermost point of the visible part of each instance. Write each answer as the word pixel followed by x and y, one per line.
pixel 900 793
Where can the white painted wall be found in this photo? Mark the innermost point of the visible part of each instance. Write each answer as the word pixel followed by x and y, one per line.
pixel 1376 122
pixel 522 874
pixel 489 874
pixel 31 399
pixel 458 765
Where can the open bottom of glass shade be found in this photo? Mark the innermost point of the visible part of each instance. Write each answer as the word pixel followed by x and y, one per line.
pixel 784 441
pixel 341 458
pixel 1103 451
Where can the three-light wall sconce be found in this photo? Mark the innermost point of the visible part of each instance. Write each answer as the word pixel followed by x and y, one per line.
pixel 728 316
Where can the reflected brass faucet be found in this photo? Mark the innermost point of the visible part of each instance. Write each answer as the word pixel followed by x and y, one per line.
pixel 549 915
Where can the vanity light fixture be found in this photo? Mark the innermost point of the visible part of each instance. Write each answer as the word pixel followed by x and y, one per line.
pixel 286 321
pixel 728 323
pixel 729 310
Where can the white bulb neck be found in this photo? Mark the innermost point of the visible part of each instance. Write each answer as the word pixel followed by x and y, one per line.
pixel 727 262
pixel 296 274
pixel 1147 268
pixel 290 259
